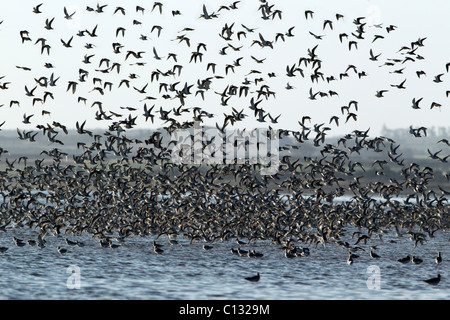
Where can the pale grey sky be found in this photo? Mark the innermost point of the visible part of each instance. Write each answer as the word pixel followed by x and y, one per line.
pixel 414 19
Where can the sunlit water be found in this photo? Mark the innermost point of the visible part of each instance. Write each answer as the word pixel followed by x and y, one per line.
pixel 186 271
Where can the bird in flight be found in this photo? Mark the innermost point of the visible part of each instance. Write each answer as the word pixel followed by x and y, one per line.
pixel 68 15
pixel 205 15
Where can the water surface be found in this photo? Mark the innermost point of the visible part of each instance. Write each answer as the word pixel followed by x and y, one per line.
pixel 187 271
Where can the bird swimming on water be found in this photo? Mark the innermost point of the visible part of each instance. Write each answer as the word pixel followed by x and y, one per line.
pixel 253 278
pixel 19 242
pixel 350 259
pixel 433 281
pixel 61 250
pixel 158 250
pixel 405 259
pixel 438 259
pixel 416 260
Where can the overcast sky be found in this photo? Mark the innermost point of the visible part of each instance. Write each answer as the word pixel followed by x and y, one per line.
pixel 414 19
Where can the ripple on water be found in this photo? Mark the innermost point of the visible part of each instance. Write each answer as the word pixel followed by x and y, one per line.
pixel 134 271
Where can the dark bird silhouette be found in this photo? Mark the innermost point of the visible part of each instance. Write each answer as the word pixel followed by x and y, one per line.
pixel 433 281
pixel 309 14
pixel 48 24
pixel 68 15
pixel 253 278
pixel 37 9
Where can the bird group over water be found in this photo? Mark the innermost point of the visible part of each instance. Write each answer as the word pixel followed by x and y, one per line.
pixel 119 187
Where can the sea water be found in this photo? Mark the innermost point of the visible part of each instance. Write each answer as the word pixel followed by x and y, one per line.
pixel 187 271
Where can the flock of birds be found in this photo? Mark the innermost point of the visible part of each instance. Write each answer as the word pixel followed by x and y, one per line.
pixel 120 187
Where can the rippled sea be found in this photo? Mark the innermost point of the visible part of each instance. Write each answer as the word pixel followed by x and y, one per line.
pixel 187 271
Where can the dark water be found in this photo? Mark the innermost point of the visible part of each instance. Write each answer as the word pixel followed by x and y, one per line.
pixel 186 271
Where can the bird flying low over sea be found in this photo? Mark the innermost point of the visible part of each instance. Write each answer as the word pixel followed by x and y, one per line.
pixel 206 15
pixel 309 14
pixel 380 93
pixel 68 15
pixel 399 86
pixel 415 103
pixel 48 24
pixel 374 57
